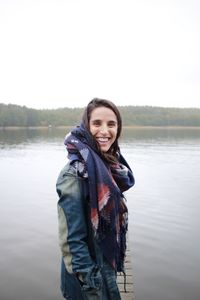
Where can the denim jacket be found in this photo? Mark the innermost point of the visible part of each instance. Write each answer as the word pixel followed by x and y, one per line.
pixel 85 274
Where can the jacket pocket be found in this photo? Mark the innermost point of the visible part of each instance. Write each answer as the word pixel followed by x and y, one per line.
pixel 91 293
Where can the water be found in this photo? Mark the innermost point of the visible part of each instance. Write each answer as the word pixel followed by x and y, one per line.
pixel 163 213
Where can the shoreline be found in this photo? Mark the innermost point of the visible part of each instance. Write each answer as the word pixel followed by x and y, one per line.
pixel 124 127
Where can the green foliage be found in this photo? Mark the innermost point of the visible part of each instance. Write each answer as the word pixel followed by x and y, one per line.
pixel 15 115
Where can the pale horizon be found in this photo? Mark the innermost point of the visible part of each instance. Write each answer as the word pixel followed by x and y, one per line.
pixel 57 54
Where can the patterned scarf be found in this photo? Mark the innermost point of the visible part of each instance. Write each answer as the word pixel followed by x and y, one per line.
pixel 108 211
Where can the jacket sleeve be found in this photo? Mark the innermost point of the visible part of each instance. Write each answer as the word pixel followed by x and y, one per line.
pixel 73 231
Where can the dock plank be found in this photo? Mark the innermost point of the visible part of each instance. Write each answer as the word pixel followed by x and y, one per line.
pixel 127 290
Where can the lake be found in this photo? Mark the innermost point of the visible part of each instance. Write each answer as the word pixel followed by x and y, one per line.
pixel 164 207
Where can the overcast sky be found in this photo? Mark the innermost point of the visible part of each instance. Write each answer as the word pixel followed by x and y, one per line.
pixel 59 53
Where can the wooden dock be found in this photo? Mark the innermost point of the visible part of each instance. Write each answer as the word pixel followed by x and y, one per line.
pixel 128 293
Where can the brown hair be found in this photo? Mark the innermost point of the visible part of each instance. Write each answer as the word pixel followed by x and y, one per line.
pixel 111 155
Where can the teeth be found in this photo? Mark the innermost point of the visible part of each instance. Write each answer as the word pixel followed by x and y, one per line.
pixel 102 139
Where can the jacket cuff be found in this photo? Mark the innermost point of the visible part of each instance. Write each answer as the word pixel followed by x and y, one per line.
pixel 92 278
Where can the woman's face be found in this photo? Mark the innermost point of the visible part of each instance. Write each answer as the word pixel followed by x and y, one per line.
pixel 103 126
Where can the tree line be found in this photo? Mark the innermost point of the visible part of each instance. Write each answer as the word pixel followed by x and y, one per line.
pixel 22 116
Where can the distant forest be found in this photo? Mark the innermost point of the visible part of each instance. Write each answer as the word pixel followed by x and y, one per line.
pixel 15 115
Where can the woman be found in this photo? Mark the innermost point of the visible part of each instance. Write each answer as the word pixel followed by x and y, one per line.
pixel 92 213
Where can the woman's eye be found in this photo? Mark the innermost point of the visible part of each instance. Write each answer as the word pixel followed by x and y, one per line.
pixel 112 124
pixel 96 124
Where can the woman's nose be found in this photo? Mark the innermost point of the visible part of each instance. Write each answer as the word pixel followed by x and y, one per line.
pixel 104 129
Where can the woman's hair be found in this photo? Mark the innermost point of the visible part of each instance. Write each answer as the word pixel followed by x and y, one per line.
pixel 111 155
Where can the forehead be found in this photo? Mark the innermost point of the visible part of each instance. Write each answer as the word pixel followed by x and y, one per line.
pixel 103 113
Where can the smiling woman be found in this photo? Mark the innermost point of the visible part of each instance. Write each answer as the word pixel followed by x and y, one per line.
pixel 103 120
pixel 92 212
pixel 103 127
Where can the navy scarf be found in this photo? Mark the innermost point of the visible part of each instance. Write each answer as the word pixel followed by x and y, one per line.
pixel 108 211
